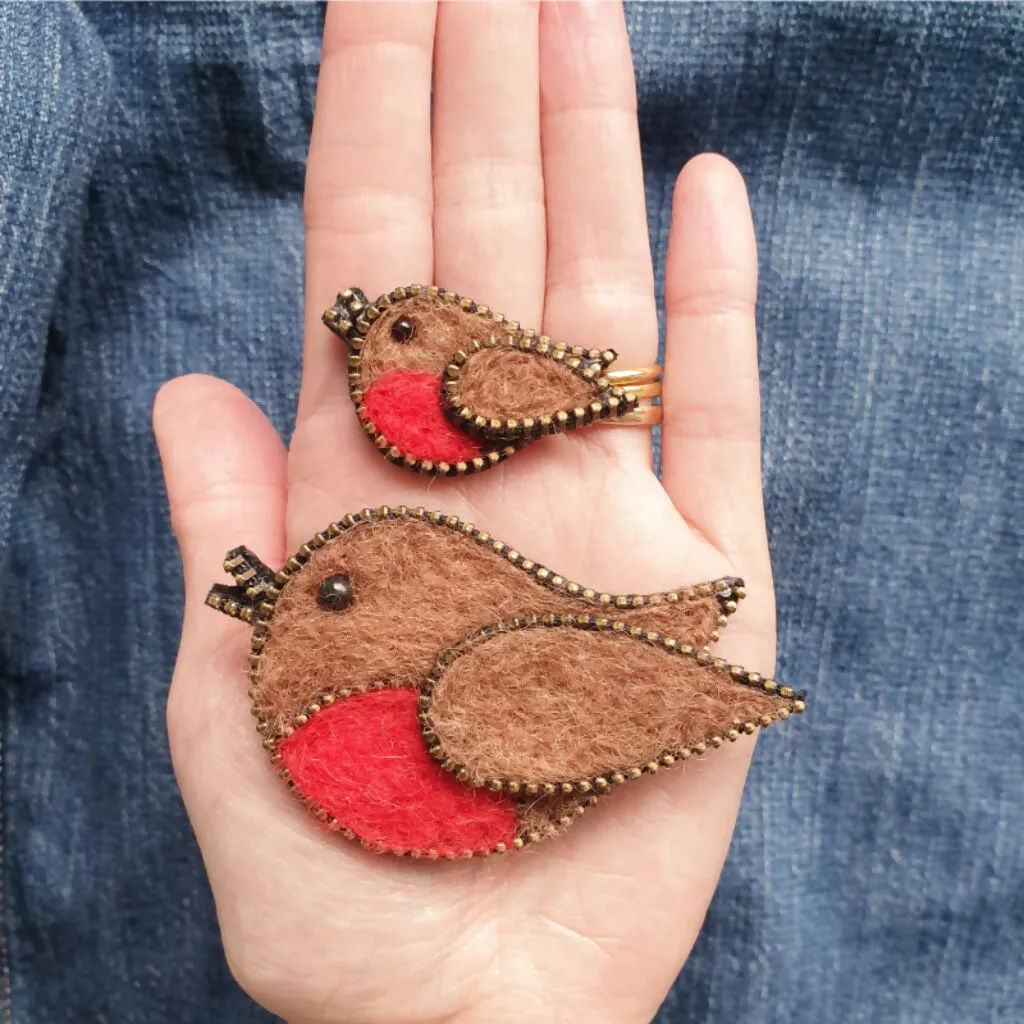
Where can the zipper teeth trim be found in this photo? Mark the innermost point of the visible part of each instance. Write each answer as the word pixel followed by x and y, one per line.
pixel 394 454
pixel 792 703
pixel 351 316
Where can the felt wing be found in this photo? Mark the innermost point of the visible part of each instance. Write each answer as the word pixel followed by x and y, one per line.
pixel 583 703
pixel 519 388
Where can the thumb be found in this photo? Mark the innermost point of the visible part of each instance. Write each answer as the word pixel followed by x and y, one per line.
pixel 225 470
pixel 224 467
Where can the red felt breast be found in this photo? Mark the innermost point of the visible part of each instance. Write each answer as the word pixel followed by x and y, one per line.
pixel 364 762
pixel 405 406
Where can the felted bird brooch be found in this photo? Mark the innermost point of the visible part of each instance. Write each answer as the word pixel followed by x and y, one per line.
pixel 448 387
pixel 430 691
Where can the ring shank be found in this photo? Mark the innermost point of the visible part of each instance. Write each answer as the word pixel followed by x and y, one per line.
pixel 642 416
pixel 643 382
pixel 638 375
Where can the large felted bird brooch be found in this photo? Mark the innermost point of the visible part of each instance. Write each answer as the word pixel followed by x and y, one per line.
pixel 428 690
pixel 448 387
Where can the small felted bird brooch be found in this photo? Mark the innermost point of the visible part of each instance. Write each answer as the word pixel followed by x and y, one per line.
pixel 428 690
pixel 445 386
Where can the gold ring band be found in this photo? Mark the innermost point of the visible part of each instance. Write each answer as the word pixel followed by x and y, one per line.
pixel 641 416
pixel 640 375
pixel 652 390
pixel 641 382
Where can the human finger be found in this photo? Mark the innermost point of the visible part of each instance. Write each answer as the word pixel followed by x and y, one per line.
pixel 369 198
pixel 600 285
pixel 711 439
pixel 489 218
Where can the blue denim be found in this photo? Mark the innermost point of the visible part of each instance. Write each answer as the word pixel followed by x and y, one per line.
pixel 151 165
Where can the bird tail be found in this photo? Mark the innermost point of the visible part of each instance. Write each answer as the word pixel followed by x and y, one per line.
pixel 252 580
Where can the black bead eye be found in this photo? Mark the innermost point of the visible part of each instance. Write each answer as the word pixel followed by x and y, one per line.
pixel 335 593
pixel 402 330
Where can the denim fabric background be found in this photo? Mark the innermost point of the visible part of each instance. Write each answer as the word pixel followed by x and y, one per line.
pixel 151 164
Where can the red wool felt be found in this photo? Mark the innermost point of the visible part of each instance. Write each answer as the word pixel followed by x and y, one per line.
pixel 364 762
pixel 406 408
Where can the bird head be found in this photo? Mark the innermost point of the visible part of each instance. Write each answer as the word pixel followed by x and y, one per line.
pixel 415 329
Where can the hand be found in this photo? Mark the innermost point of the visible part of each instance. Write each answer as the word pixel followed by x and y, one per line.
pixel 525 192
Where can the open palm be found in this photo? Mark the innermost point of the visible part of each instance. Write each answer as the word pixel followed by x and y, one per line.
pixel 519 184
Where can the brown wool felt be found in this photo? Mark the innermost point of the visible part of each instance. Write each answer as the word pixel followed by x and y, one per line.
pixel 418 589
pixel 498 383
pixel 440 329
pixel 557 704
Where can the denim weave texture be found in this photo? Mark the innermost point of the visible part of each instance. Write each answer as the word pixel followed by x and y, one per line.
pixel 151 170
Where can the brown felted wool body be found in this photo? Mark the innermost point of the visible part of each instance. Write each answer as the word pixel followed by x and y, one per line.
pixel 418 588
pixel 556 704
